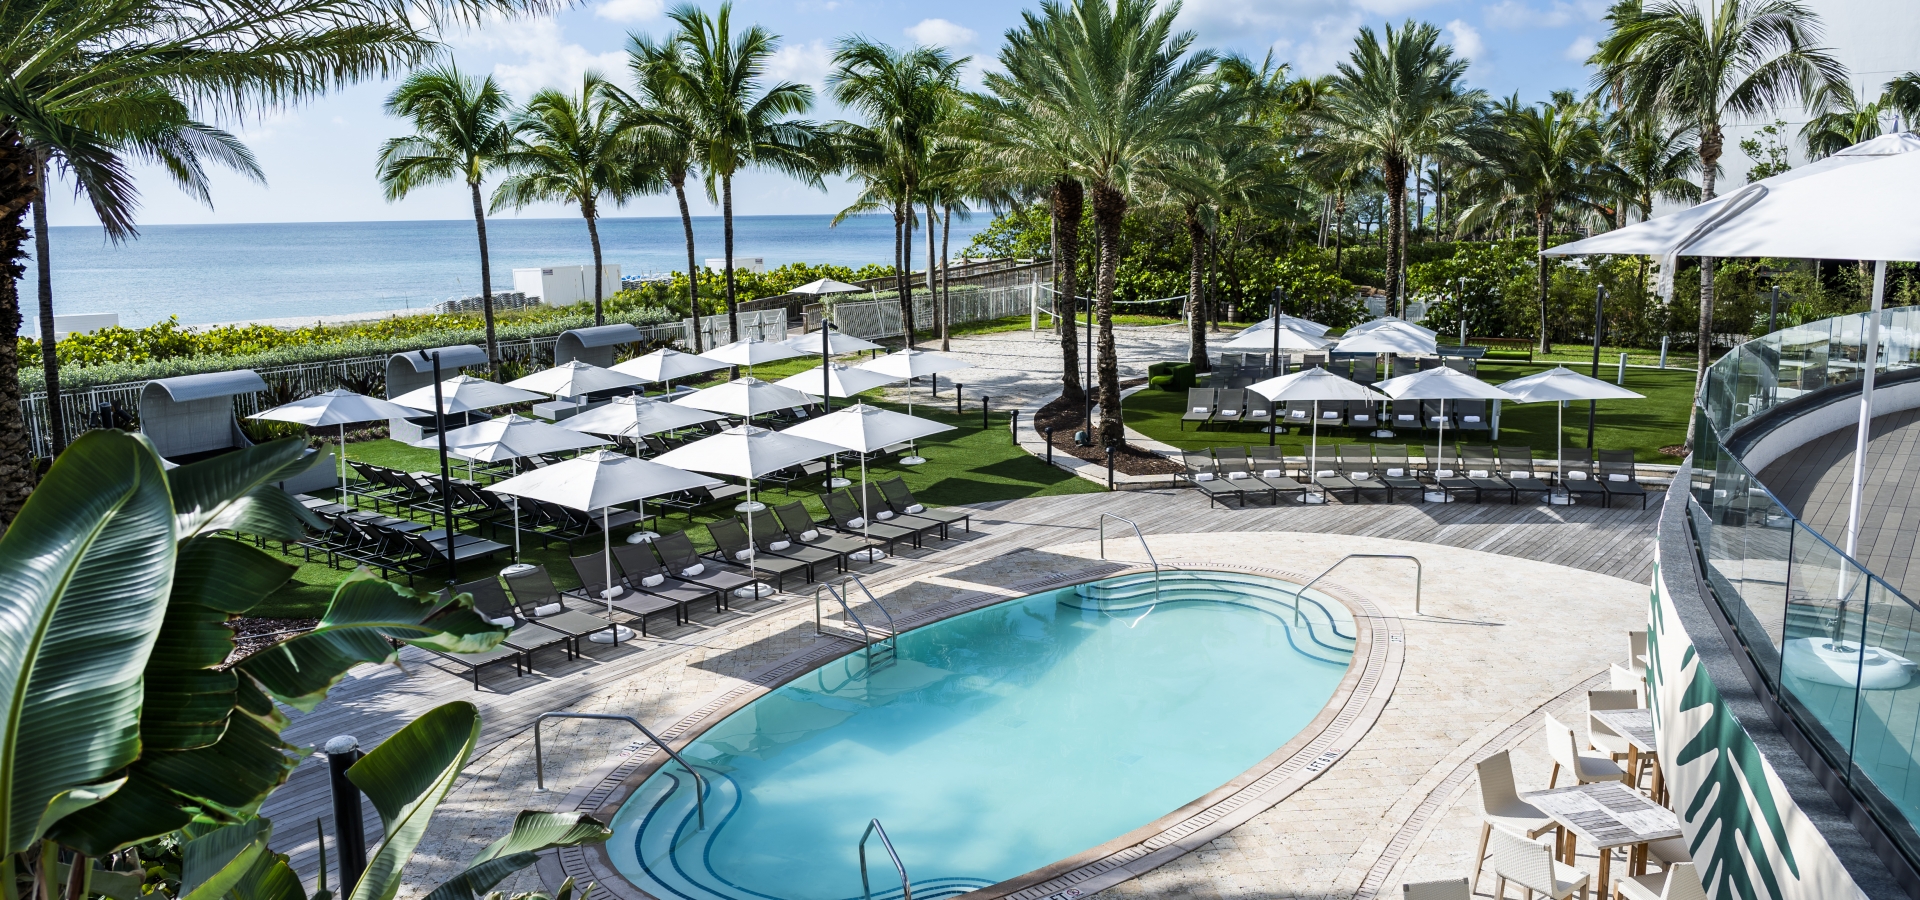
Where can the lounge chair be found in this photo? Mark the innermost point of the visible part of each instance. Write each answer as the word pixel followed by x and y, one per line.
pixel 1203 475
pixel 770 537
pixel 676 550
pixel 844 513
pixel 1261 411
pixel 1617 475
pixel 1199 407
pixel 539 600
pixel 1236 468
pixel 1443 465
pixel 647 574
pixel 799 526
pixel 1577 476
pixel 1230 406
pixel 1472 416
pixel 876 503
pixel 1326 474
pixel 1361 416
pixel 1270 465
pixel 1517 464
pixel 1396 472
pixel 1356 465
pixel 478 661
pixel 731 543
pixel 1298 413
pixel 592 570
pixel 900 497
pixel 1333 415
pixel 1404 414
pixel 493 604
pixel 1484 472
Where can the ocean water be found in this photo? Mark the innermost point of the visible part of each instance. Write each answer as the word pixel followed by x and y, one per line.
pixel 234 273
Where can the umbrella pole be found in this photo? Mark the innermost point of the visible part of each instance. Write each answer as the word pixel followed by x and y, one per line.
pixel 516 529
pixel 618 631
pixel 911 459
pixel 1313 452
pixel 872 553
pixel 343 462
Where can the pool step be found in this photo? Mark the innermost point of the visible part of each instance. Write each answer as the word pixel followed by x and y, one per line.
pixel 1329 629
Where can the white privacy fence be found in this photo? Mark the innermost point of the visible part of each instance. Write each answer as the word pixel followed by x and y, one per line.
pixel 882 318
pixel 760 324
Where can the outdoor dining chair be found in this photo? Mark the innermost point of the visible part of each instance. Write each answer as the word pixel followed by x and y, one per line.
pixel 1680 881
pixel 1501 807
pixel 1530 865
pixel 1585 766
pixel 1450 889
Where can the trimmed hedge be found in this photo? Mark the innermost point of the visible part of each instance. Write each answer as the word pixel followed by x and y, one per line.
pixel 1171 376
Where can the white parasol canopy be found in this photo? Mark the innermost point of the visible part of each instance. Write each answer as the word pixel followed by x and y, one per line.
pixel 752 352
pixel 828 286
pixel 838 342
pixel 1390 322
pixel 1406 341
pixel 914 364
pixel 744 397
pixel 465 393
pixel 636 416
pixel 747 452
pixel 573 378
pixel 1442 384
pixel 844 380
pixel 1304 326
pixel 865 429
pixel 510 437
pixel 1315 384
pixel 338 407
pixel 1561 384
pixel 1289 339
pixel 667 364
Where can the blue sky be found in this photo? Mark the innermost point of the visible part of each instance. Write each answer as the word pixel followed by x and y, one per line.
pixel 319 157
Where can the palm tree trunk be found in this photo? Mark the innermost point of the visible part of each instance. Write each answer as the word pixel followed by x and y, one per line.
pixel 1339 217
pixel 726 216
pixel 946 278
pixel 1540 267
pixel 693 274
pixel 1069 199
pixel 1109 208
pixel 593 235
pixel 17 475
pixel 1710 144
pixel 1196 310
pixel 899 272
pixel 49 355
pixel 939 322
pixel 1396 172
pixel 907 220
pixel 486 279
pixel 1419 194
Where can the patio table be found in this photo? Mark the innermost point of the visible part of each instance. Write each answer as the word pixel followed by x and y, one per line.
pixel 1636 725
pixel 1611 815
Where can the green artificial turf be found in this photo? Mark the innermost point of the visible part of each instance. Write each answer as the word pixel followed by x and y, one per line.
pixel 1643 426
pixel 967 465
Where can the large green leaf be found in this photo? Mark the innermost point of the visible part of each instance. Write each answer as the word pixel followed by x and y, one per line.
pixel 235 491
pixel 214 863
pixel 366 615
pixel 84 575
pixel 532 832
pixel 405 778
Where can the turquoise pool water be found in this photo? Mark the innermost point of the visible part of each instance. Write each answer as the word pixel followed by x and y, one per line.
pixel 1000 741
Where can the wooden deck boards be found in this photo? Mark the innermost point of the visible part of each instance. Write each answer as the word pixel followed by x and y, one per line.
pixel 1815 480
pixel 373 702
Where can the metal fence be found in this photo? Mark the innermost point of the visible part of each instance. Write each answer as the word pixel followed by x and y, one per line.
pixel 760 324
pixel 881 318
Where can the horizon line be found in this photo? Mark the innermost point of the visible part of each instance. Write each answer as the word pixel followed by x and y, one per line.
pixel 490 220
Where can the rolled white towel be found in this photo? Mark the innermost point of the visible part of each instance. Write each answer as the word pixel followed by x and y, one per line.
pixel 883 515
pixel 915 509
pixel 655 580
pixel 1443 473
pixel 1272 473
pixel 551 609
pixel 1576 475
pixel 1476 473
pixel 1616 476
pixel 1203 476
pixel 1405 417
pixel 1396 473
pixel 1329 415
pixel 857 522
pixel 1324 473
pixel 1469 418
pixel 743 555
pixel 810 535
pixel 1199 409
pixel 777 546
pixel 1519 473
pixel 500 623
pixel 693 570
pixel 1236 476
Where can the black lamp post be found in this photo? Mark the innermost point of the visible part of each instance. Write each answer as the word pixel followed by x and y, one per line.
pixel 446 476
pixel 1087 385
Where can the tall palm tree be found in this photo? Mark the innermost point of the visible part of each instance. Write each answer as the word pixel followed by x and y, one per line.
pixel 660 119
pixel 737 121
pixel 1902 98
pixel 1702 62
pixel 459 133
pixel 567 149
pixel 1845 119
pixel 1653 160
pixel 1398 97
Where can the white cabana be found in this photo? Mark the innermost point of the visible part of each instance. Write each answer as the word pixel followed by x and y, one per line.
pixel 339 407
pixel 594 344
pixel 838 380
pixel 464 394
pixel 190 414
pixel 574 379
pixel 1440 384
pixel 1560 384
pixel 1315 384
pixel 864 430
pixel 744 397
pixel 908 365
pixel 596 482
pixel 748 453
pixel 638 416
pixel 667 365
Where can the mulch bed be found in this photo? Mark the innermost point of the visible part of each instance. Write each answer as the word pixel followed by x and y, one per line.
pixel 1067 418
pixel 251 635
pixel 1675 450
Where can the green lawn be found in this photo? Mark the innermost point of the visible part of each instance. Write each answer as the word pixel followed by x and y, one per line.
pixel 1643 426
pixel 967 465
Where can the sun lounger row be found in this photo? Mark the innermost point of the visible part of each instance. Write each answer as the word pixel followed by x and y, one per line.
pixel 1210 407
pixel 1349 472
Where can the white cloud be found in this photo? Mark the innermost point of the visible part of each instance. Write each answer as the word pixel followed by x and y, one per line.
pixel 1466 40
pixel 806 63
pixel 629 10
pixel 1311 35
pixel 941 33
pixel 1518 14
pixel 545 58
pixel 1581 49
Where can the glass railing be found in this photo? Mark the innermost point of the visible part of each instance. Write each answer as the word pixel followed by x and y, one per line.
pixel 1834 641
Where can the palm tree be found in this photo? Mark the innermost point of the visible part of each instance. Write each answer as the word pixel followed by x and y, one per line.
pixel 1844 120
pixel 567 149
pixel 735 121
pixel 1902 98
pixel 1653 160
pixel 660 116
pixel 1701 62
pixel 459 132
pixel 1397 98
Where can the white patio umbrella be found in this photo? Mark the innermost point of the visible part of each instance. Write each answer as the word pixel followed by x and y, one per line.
pixel 598 481
pixel 465 393
pixel 573 379
pixel 1304 326
pixel 637 416
pixel 1440 384
pixel 1857 209
pixel 841 380
pixel 865 429
pixel 666 364
pixel 1405 341
pixel 747 452
pixel 509 437
pixel 838 343
pixel 911 364
pixel 828 286
pixel 1287 337
pixel 1390 322
pixel 750 352
pixel 747 396
pixel 339 407
pixel 1561 384
pixel 1315 384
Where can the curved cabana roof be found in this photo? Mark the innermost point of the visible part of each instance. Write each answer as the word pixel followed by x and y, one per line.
pixel 593 345
pixel 194 413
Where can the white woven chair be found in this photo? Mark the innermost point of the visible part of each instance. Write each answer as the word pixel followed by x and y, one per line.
pixel 1625 679
pixel 1679 882
pixel 1530 864
pixel 1636 651
pixel 1585 766
pixel 1500 805
pixel 1451 889
pixel 1599 736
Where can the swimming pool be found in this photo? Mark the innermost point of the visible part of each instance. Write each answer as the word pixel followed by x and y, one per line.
pixel 1000 741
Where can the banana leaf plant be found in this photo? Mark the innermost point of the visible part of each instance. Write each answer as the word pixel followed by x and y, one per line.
pixel 117 581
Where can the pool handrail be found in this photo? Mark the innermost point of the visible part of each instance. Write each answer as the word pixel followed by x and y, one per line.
pixel 906 886
pixel 1419 571
pixel 1143 546
pixel 539 770
pixel 841 595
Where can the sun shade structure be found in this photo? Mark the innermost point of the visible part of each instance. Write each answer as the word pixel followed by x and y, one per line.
pixel 1406 341
pixel 666 365
pixel 1441 384
pixel 752 352
pixel 636 416
pixel 838 343
pixel 510 437
pixel 339 407
pixel 1288 339
pixel 598 481
pixel 827 286
pixel 748 453
pixel 911 364
pixel 194 413
pixel 864 430
pixel 465 393
pixel 1560 384
pixel 1304 326
pixel 573 379
pixel 1390 322
pixel 414 368
pixel 744 397
pixel 842 379
pixel 1315 384
pixel 593 344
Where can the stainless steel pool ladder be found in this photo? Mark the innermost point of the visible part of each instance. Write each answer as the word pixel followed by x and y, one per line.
pixel 906 886
pixel 1418 571
pixel 1143 546
pixel 539 769
pixel 838 591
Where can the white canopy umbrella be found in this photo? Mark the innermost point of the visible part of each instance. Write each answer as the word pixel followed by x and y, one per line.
pixel 838 343
pixel 1406 341
pixel 666 364
pixel 598 481
pixel 465 393
pixel 573 379
pixel 750 352
pixel 842 380
pixel 1561 384
pixel 865 429
pixel 1276 339
pixel 637 416
pixel 510 437
pixel 828 286
pixel 1390 322
pixel 744 397
pixel 1440 383
pixel 747 452
pixel 911 364
pixel 1304 326
pixel 339 407
pixel 1315 384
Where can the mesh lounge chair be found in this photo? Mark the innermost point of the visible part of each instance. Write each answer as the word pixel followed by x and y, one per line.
pixel 1236 469
pixel 730 539
pixel 1326 474
pixel 844 512
pixel 798 524
pixel 1485 473
pixel 770 537
pixel 1202 474
pixel 539 600
pixel 882 511
pixel 646 574
pixel 900 497
pixel 1471 416
pixel 1361 415
pixel 1199 407
pixel 1356 466
pixel 1230 406
pixel 1298 413
pixel 676 550
pixel 592 570
pixel 1260 410
pixel 492 603
pixel 1405 414
pixel 1396 472
pixel 1517 464
pixel 478 661
pixel 1618 477
pixel 1577 476
pixel 1444 466
pixel 1270 464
